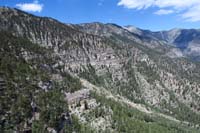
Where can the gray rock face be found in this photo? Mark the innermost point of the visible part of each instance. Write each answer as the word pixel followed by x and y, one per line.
pixel 134 65
pixel 122 35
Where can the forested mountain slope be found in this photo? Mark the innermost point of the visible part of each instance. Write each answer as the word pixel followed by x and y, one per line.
pixel 41 59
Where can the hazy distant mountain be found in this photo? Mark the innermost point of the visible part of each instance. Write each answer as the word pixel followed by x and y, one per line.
pixel 135 83
pixel 187 40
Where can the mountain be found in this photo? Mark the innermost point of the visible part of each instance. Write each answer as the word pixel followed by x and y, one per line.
pixel 121 34
pixel 129 34
pixel 186 40
pixel 46 68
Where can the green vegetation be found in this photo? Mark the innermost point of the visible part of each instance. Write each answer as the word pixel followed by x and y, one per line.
pixel 181 111
pixel 70 83
pixel 20 81
pixel 78 127
pixel 149 72
pixel 51 105
pixel 127 119
pixel 22 78
pixel 90 75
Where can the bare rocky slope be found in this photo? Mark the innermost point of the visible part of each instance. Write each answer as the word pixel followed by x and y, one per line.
pixel 40 55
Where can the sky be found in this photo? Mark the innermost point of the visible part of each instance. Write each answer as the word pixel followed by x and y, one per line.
pixel 154 15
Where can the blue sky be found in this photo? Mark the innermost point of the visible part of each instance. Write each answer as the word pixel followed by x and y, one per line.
pixel 146 14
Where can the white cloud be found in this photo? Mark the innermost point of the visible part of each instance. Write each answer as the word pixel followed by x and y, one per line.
pixel 137 4
pixel 163 12
pixel 187 9
pixel 193 14
pixel 30 7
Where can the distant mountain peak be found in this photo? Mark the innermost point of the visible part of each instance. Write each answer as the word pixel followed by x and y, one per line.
pixel 133 29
